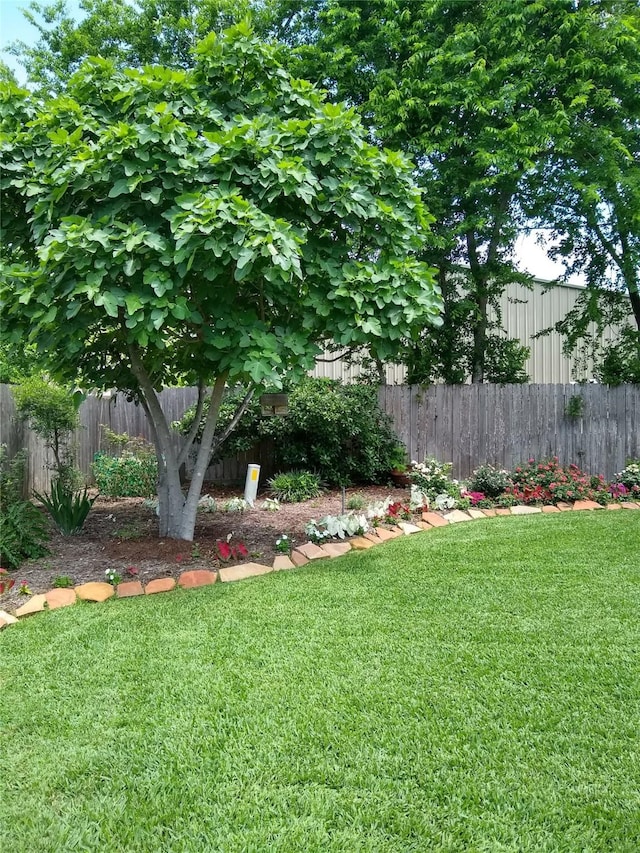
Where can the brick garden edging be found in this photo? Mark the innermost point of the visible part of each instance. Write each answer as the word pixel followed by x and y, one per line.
pixel 300 556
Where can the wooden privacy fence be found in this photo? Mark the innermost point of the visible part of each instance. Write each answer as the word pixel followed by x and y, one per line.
pixel 503 425
pixel 121 416
pixel 467 425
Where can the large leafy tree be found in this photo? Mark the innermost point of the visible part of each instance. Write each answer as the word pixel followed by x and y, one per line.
pixel 493 98
pixel 588 193
pixel 215 225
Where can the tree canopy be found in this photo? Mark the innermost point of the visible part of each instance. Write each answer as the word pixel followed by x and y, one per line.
pixel 516 113
pixel 210 225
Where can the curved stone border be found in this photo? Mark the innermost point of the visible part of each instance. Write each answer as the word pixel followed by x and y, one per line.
pixel 300 556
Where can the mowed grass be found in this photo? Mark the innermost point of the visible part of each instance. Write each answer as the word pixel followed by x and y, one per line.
pixel 472 689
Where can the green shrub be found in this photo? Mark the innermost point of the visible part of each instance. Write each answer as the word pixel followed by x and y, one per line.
pixel 69 510
pixel 490 481
pixel 23 528
pixel 295 486
pixel 23 532
pixel 335 429
pixel 125 476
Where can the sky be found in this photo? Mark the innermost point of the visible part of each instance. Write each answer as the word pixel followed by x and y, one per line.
pixel 531 257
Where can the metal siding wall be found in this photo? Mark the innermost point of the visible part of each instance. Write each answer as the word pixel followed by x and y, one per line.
pixel 527 311
pixel 524 313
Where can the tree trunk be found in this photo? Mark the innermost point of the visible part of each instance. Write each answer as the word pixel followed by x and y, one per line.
pixel 177 515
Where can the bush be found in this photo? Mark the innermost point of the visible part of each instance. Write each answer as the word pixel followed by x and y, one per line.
pixel 337 430
pixel 629 477
pixel 490 481
pixel 125 476
pixel 133 474
pixel 549 482
pixel 295 486
pixel 23 528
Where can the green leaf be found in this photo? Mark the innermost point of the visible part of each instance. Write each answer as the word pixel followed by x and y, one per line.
pixel 120 187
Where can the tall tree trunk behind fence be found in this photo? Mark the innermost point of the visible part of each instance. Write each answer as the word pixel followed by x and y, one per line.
pixel 467 425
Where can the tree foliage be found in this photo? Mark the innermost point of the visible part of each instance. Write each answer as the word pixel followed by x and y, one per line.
pixel 209 225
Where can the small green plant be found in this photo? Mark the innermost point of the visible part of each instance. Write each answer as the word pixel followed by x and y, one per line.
pixel 398 459
pixel 25 589
pixel 207 504
pixel 295 486
pixel 235 505
pixel 69 510
pixel 271 505
pixel 195 551
pixel 62 582
pixel 133 530
pixel 112 577
pixel 337 526
pixel 283 544
pixel 356 502
pixel 23 528
pixel 574 407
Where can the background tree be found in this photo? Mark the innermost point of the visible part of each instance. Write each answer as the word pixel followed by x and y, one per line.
pixel 491 97
pixel 514 111
pixel 589 191
pixel 213 225
pixel 131 34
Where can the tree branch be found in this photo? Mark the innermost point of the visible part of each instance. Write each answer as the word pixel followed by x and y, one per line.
pixel 191 435
pixel 242 408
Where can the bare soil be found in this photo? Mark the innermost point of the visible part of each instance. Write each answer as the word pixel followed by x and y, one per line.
pixel 121 534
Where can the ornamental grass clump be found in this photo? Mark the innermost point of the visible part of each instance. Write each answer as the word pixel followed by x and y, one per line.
pixel 548 482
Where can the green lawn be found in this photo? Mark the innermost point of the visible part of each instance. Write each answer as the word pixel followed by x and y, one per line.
pixel 472 689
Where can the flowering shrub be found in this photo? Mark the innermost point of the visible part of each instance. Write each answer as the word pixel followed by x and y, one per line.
pixel 431 477
pixel 490 481
pixel 549 482
pixel 629 478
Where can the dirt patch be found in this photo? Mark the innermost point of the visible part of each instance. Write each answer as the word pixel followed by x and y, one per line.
pixel 121 535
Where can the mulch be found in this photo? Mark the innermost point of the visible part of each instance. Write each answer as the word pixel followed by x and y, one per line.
pixel 122 535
